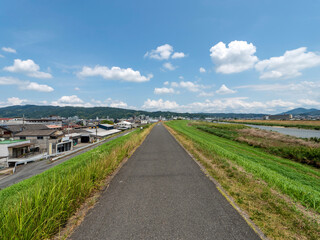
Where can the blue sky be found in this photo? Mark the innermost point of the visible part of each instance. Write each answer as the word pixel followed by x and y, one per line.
pixel 185 56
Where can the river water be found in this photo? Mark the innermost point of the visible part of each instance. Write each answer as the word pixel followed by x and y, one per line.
pixel 297 132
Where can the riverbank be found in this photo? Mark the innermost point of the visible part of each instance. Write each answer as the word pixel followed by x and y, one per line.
pixel 304 124
pixel 281 196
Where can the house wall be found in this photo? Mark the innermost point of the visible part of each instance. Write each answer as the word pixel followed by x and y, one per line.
pixel 42 143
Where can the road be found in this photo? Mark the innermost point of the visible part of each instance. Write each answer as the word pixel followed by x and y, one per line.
pixel 161 193
pixel 31 169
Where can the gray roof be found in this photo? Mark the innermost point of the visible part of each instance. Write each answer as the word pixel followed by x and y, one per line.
pixel 46 132
pixel 15 128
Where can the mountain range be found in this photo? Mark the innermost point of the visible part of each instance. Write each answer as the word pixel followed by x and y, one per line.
pixel 303 111
pixel 34 111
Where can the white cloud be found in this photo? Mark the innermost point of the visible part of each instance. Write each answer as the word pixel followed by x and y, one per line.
pixel 190 86
pixel 16 101
pixel 309 102
pixel 239 105
pixel 109 102
pixel 114 73
pixel 202 70
pixel 37 87
pixel 225 90
pixel 159 105
pixel 1 56
pixel 164 52
pixel 169 66
pixel 9 81
pixel 77 89
pixel 72 100
pixel 119 104
pixel 25 85
pixel 178 55
pixel 163 90
pixel 166 83
pixel 289 65
pixel 28 67
pixel 181 77
pixel 237 57
pixel 206 94
pixel 160 53
pixel 9 50
pixel 303 88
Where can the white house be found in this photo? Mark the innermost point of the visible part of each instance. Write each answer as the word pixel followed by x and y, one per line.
pixel 124 125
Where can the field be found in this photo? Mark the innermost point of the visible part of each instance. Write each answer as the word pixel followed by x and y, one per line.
pixel 281 196
pixel 38 207
pixel 297 124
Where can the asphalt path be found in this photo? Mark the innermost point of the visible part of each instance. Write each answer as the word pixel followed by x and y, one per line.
pixel 31 169
pixel 161 193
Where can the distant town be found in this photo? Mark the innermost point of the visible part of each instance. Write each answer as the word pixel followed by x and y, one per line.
pixel 25 139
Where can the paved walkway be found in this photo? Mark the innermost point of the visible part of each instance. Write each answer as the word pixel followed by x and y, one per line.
pixel 161 193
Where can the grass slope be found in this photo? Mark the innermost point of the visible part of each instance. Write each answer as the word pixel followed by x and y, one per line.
pixel 240 169
pixel 37 207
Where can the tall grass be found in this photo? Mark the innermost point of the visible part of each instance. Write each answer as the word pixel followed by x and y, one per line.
pixel 37 207
pixel 300 182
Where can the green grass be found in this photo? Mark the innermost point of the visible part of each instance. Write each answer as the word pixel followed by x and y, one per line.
pixel 38 207
pixel 299 182
pixel 280 145
pixel 269 189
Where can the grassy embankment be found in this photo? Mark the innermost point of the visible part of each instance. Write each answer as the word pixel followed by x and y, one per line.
pixel 315 125
pixel 38 207
pixel 281 196
pixel 299 150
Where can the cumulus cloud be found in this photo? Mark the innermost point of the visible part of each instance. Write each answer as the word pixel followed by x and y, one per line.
pixel 77 89
pixel 163 90
pixel 239 104
pixel 159 105
pixel 169 66
pixel 114 73
pixel 178 55
pixel 237 57
pixel 190 86
pixel 1 56
pixel 164 52
pixel 166 83
pixel 72 100
pixel 225 90
pixel 16 101
pixel 289 65
pixel 9 50
pixel 202 70
pixel 25 85
pixel 27 67
pixel 37 87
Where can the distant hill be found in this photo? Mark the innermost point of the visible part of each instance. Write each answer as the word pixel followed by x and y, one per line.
pixel 34 111
pixel 303 111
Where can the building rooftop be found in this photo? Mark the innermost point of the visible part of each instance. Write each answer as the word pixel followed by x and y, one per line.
pixel 11 141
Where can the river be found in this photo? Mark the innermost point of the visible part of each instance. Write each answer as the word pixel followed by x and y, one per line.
pixel 297 132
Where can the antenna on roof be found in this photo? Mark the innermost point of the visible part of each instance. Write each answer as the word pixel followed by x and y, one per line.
pixel 23 122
